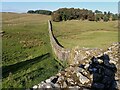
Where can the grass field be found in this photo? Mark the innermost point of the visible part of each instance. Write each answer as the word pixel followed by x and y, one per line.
pixel 27 56
pixel 86 33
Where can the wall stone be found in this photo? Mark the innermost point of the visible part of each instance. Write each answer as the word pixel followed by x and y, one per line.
pixel 59 50
pixel 73 56
pixel 77 75
pixel 91 73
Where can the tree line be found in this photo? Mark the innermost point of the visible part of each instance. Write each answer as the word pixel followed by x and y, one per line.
pixel 46 12
pixel 64 14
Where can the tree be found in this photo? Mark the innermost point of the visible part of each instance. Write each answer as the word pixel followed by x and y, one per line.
pixel 106 18
pixel 91 17
pixel 83 14
pixel 97 18
pixel 105 13
pixel 97 11
pixel 46 12
pixel 30 11
pixel 109 14
pixel 71 13
pixel 115 17
pixel 64 17
pixel 56 17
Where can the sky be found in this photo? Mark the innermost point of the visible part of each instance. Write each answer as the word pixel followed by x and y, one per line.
pixel 59 0
pixel 22 7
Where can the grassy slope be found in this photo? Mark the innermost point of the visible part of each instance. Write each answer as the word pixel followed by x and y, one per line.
pixel 85 33
pixel 27 56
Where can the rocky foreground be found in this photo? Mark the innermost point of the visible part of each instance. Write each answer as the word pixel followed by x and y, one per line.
pixel 94 69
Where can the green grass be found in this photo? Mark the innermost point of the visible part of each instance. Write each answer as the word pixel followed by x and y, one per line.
pixel 86 33
pixel 27 56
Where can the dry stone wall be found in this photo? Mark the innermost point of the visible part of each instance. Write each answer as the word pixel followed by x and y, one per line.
pixel 96 73
pixel 100 72
pixel 59 50
pixel 71 56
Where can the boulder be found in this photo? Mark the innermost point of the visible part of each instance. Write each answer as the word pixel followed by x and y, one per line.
pixel 82 78
pixel 48 80
pixel 54 79
pixel 57 85
pixel 64 85
pixel 35 87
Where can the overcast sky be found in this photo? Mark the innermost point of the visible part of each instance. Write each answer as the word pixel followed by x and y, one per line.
pixel 22 7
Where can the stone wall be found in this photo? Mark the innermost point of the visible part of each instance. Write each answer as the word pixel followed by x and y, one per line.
pixel 73 56
pixel 86 72
pixel 96 73
pixel 60 52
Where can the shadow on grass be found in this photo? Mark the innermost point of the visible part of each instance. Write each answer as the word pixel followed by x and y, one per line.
pixel 54 36
pixel 15 67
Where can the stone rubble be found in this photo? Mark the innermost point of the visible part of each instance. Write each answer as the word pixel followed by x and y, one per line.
pixel 97 69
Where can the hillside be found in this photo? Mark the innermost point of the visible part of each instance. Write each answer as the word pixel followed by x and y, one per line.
pixel 27 57
pixel 86 33
pixel 27 54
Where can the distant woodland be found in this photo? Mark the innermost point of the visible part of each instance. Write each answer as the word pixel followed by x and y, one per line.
pixel 46 12
pixel 64 14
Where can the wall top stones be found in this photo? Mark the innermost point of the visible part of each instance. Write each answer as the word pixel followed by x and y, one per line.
pixel 59 50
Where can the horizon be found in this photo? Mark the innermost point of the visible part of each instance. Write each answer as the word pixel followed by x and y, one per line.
pixel 23 7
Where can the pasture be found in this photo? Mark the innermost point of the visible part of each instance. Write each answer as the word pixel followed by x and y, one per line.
pixel 88 34
pixel 27 55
